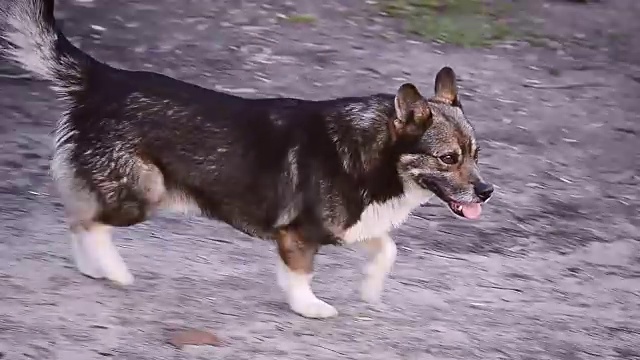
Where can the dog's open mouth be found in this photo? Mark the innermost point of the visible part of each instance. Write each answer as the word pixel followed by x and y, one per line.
pixel 467 210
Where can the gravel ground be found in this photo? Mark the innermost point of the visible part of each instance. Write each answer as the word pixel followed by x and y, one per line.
pixel 551 272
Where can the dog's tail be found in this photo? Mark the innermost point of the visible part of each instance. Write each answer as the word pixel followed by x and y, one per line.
pixel 33 41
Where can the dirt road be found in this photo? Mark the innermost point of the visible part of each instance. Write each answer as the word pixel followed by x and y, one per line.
pixel 551 272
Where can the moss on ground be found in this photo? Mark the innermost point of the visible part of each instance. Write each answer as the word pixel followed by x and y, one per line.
pixel 469 23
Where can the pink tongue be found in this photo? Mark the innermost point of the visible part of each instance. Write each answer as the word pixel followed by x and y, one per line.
pixel 472 211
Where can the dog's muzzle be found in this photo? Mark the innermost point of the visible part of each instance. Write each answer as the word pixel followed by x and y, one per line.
pixel 483 190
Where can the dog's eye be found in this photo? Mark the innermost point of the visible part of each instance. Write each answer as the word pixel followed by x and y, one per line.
pixel 449 159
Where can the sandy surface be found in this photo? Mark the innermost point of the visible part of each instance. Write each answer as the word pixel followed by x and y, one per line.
pixel 551 272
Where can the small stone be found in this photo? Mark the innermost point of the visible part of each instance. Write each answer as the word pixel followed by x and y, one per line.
pixel 182 338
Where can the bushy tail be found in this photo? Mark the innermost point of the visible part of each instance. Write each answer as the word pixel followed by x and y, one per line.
pixel 34 42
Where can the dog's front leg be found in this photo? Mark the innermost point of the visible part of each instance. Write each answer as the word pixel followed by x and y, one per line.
pixel 382 254
pixel 294 273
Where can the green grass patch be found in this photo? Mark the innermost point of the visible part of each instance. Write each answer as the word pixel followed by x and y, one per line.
pixel 302 18
pixel 469 23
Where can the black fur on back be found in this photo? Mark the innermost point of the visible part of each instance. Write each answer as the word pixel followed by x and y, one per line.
pixel 257 164
pixel 243 161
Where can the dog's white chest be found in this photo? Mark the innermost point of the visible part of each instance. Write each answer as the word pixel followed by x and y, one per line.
pixel 379 218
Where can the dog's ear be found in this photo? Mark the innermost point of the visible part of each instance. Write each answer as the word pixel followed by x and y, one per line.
pixel 407 96
pixel 446 87
pixel 413 116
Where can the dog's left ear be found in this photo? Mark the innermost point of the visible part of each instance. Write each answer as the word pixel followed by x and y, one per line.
pixel 446 87
pixel 413 116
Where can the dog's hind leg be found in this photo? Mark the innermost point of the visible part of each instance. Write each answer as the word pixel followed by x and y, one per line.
pixel 82 256
pixel 120 195
pixel 95 254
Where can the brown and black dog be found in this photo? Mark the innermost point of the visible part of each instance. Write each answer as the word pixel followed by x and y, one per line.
pixel 302 173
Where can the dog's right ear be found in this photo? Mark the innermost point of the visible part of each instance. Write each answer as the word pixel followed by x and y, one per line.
pixel 446 87
pixel 413 116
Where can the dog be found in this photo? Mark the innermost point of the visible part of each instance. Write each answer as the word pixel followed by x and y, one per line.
pixel 300 173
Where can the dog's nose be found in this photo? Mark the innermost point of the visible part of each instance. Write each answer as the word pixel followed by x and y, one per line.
pixel 483 190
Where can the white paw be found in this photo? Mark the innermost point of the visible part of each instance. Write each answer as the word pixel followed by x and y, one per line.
pixel 301 299
pixel 121 277
pixel 85 269
pixel 313 308
pixel 84 263
pixel 97 255
pixel 371 290
pixel 89 271
pixel 114 267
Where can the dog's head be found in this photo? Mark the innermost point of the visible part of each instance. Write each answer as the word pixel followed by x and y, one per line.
pixel 437 146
